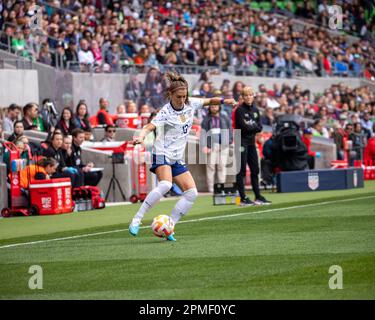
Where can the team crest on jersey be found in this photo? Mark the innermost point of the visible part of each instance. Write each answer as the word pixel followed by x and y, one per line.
pixel 313 181
pixel 182 118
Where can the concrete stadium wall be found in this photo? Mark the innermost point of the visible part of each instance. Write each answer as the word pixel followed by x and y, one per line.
pixel 18 86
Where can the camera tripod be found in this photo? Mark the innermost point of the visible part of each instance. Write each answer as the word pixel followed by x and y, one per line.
pixel 113 183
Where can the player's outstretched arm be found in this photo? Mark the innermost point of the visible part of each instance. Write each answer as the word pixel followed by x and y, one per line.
pixel 144 132
pixel 218 101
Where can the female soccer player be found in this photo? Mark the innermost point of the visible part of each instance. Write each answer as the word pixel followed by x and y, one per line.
pixel 172 125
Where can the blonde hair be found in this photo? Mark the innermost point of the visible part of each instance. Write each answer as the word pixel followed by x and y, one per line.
pixel 175 82
pixel 247 90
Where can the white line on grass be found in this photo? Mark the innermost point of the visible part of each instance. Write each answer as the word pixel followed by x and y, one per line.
pixel 189 221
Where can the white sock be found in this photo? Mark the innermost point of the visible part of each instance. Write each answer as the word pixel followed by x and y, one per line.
pixel 152 198
pixel 184 204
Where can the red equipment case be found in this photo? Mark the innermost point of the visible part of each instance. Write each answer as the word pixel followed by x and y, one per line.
pixel 51 196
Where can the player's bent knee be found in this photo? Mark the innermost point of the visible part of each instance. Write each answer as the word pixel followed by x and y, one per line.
pixel 191 194
pixel 164 186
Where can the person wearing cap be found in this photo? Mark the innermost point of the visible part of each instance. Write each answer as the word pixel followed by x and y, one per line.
pixel 72 55
pixel 311 155
pixel 59 58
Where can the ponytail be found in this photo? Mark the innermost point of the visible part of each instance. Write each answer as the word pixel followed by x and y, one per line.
pixel 175 82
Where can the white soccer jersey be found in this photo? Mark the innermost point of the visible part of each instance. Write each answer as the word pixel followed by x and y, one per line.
pixel 173 127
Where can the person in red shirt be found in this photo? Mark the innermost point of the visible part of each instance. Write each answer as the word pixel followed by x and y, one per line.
pixel 104 118
pixel 306 138
pixel 369 152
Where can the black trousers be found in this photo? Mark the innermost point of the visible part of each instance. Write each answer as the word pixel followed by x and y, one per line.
pixel 92 178
pixel 65 174
pixel 311 161
pixel 249 156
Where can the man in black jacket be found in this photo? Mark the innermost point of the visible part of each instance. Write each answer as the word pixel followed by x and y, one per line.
pixel 63 171
pixel 247 119
pixel 90 178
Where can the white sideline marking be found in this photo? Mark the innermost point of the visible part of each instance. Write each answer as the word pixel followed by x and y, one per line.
pixel 188 221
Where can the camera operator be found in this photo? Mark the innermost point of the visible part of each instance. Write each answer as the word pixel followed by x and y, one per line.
pixel 247 119
pixel 90 178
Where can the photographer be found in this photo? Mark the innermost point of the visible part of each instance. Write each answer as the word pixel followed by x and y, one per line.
pixel 247 119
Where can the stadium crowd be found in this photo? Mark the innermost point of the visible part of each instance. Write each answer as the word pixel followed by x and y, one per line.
pixel 110 36
pixel 340 111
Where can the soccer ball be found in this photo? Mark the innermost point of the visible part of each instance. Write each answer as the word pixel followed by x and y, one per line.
pixel 162 226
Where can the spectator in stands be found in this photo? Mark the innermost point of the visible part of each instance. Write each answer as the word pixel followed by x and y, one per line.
pixel 85 56
pixel 215 141
pixel 44 54
pixel 112 57
pixel 267 119
pixel 144 108
pixel 280 65
pixel 133 89
pixel 359 140
pixel 59 58
pixel 66 122
pixel 338 138
pixel 63 171
pixel 81 119
pixel 72 56
pixel 153 84
pixel 13 114
pixel 131 107
pixel 67 151
pixel 367 124
pixel 340 67
pixel 103 116
pixel 90 178
pixel 97 53
pixel 319 130
pixel 31 40
pixel 121 109
pixel 19 44
pixel 18 131
pixel 109 134
pixel 237 89
pixel 32 118
pixel 348 146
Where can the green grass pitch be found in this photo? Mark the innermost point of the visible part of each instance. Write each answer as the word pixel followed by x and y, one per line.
pixel 282 251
